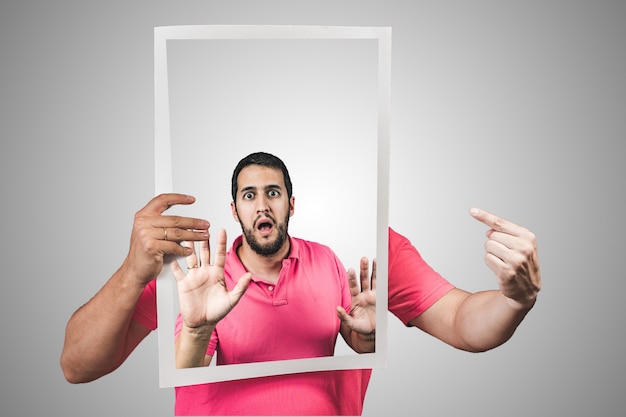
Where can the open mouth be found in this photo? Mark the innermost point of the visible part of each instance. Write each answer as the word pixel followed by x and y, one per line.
pixel 265 226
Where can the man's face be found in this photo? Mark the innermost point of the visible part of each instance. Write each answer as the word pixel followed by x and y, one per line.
pixel 263 208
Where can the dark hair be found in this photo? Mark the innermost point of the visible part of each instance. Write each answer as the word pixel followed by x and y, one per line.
pixel 263 159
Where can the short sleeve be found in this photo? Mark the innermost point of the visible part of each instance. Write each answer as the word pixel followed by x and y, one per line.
pixel 412 284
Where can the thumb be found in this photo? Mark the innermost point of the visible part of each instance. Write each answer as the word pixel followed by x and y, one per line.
pixel 343 315
pixel 240 288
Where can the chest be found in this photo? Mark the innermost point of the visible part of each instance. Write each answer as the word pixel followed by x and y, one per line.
pixel 291 319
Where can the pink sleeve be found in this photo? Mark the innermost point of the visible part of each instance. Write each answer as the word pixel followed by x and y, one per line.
pixel 413 285
pixel 146 309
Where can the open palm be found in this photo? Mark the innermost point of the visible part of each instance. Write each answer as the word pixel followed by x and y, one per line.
pixel 202 293
pixel 362 316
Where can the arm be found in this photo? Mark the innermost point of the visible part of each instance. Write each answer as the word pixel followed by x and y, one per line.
pixel 484 320
pixel 204 300
pixel 474 322
pixel 101 334
pixel 358 328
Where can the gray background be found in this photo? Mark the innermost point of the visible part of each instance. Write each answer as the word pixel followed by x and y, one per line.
pixel 517 107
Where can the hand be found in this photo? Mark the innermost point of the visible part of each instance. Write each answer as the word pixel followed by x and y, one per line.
pixel 362 317
pixel 202 293
pixel 512 256
pixel 154 236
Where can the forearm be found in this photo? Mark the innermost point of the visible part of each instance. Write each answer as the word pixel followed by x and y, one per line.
pixel 487 319
pixel 98 337
pixel 191 346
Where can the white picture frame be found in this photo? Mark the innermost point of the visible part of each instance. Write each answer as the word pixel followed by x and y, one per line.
pixel 363 162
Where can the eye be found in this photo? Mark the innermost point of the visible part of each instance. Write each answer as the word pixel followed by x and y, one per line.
pixel 273 193
pixel 248 196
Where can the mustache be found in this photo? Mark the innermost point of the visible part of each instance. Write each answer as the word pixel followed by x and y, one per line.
pixel 264 217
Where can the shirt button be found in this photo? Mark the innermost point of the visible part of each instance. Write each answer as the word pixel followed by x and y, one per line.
pixel 271 288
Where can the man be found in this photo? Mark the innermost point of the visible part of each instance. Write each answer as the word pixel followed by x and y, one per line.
pixel 294 287
pixel 102 333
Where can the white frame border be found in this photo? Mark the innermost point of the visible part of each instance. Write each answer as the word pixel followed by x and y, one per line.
pixel 169 375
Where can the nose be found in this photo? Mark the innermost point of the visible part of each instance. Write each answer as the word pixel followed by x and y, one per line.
pixel 262 205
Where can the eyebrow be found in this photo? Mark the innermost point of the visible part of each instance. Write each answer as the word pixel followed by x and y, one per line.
pixel 266 188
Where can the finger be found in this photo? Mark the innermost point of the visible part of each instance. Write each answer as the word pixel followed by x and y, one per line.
pixel 192 258
pixel 344 316
pixel 524 247
pixel 496 223
pixel 373 285
pixel 240 288
pixel 511 260
pixel 497 249
pixel 220 256
pixel 365 269
pixel 498 266
pixel 205 252
pixel 177 234
pixel 504 263
pixel 352 283
pixel 162 202
pixel 177 271
pixel 509 241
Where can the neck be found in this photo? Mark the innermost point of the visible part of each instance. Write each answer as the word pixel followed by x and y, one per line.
pixel 266 267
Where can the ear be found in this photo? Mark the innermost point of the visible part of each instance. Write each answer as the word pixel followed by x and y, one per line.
pixel 292 206
pixel 233 209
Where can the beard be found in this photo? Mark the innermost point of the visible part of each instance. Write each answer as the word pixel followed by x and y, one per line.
pixel 267 248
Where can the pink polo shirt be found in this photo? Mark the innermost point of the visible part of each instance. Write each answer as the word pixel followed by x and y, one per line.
pixel 413 288
pixel 274 321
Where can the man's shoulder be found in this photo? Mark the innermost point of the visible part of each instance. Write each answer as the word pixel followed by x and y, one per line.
pixel 309 246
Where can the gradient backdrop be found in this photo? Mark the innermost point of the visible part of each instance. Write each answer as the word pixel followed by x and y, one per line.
pixel 516 107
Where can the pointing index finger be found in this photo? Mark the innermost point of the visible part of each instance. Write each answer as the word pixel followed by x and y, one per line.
pixel 494 222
